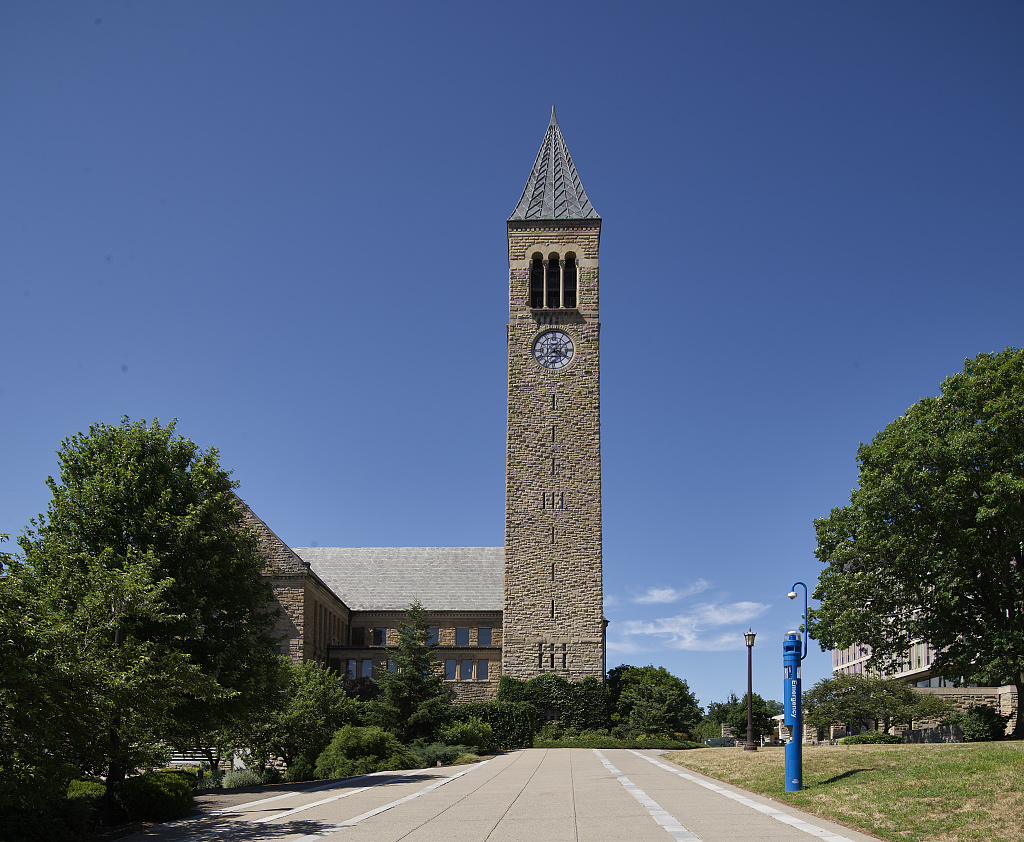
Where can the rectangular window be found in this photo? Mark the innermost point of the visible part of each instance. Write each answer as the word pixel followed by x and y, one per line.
pixel 350 668
pixel 433 636
pixel 482 670
pixel 483 637
pixel 380 637
pixel 466 670
pixel 392 666
pixel 366 670
pixel 358 636
pixel 462 637
pixel 449 670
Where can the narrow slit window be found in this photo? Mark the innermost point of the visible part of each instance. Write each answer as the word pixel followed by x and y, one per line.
pixel 537 281
pixel 552 572
pixel 569 281
pixel 552 609
pixel 552 534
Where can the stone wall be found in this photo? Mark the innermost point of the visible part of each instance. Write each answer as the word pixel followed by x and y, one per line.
pixel 1003 699
pixel 311 616
pixel 472 689
pixel 553 619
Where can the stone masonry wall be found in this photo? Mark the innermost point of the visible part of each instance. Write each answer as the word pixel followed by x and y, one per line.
pixel 465 690
pixel 553 619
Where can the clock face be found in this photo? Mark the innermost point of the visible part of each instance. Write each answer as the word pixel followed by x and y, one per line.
pixel 553 349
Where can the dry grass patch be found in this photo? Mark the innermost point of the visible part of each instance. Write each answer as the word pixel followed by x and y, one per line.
pixel 910 793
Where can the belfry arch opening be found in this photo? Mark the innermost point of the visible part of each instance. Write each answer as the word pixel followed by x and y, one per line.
pixel 553 281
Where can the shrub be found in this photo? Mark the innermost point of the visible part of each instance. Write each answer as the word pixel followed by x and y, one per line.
pixel 983 723
pixel 871 738
pixel 472 731
pixel 238 778
pixel 601 739
pixel 211 780
pixel 65 820
pixel 301 770
pixel 464 758
pixel 270 775
pixel 89 793
pixel 512 722
pixel 432 754
pixel 156 796
pixel 358 751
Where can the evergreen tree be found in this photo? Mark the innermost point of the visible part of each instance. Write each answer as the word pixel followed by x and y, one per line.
pixel 414 699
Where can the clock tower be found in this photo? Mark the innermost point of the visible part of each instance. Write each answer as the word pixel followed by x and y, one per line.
pixel 552 618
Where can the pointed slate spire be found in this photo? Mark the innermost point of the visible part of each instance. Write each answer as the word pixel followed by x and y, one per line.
pixel 554 190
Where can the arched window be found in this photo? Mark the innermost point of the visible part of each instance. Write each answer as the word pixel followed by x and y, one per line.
pixel 554 281
pixel 537 281
pixel 569 281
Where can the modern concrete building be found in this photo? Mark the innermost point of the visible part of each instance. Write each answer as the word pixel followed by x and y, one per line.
pixel 534 605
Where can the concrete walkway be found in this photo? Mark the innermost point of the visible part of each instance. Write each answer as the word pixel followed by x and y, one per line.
pixel 535 795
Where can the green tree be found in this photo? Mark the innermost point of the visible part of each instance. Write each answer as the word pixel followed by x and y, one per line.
pixel 144 560
pixel 856 699
pixel 414 699
pixel 651 700
pixel 762 713
pixel 312 705
pixel 930 546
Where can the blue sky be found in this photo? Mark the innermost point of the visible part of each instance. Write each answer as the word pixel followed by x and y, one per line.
pixel 284 225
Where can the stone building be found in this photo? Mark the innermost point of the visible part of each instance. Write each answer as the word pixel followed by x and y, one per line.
pixel 534 605
pixel 915 667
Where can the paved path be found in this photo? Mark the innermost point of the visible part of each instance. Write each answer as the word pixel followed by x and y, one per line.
pixel 536 795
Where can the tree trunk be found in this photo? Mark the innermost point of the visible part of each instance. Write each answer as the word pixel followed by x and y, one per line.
pixel 109 813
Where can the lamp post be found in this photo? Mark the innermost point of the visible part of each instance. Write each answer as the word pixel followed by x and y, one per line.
pixel 792 655
pixel 750 745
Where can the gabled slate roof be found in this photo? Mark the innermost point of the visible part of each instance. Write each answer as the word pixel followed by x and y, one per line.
pixel 390 578
pixel 554 190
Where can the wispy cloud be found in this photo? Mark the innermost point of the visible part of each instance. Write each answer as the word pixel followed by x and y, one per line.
pixel 623 647
pixel 610 601
pixel 701 629
pixel 655 596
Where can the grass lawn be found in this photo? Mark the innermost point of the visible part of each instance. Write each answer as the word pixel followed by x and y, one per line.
pixel 940 793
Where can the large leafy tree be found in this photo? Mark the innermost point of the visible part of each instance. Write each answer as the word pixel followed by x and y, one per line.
pixel 651 700
pixel 852 699
pixel 762 716
pixel 143 563
pixel 312 705
pixel 930 547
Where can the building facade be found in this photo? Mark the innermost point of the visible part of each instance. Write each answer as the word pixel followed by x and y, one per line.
pixel 534 605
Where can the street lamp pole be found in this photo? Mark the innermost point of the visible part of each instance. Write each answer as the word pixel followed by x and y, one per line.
pixel 750 745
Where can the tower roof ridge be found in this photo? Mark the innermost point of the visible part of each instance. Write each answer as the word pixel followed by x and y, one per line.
pixel 554 189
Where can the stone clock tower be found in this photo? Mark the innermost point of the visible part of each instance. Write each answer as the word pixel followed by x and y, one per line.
pixel 552 618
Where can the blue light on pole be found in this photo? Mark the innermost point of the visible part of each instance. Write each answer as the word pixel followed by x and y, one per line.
pixel 793 715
